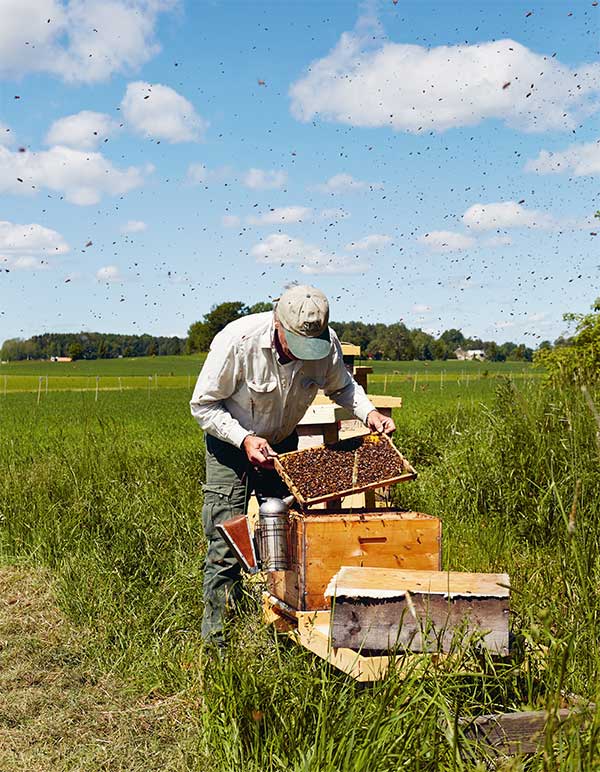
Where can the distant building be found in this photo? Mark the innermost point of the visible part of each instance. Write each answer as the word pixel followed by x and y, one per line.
pixel 471 354
pixel 61 359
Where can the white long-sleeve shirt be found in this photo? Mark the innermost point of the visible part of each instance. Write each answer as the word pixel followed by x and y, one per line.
pixel 243 388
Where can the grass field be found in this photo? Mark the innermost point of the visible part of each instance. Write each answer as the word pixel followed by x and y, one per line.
pixel 103 496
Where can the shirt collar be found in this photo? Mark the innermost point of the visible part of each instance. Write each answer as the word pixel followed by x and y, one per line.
pixel 266 338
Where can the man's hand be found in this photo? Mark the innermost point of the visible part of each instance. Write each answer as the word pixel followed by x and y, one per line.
pixel 259 452
pixel 382 424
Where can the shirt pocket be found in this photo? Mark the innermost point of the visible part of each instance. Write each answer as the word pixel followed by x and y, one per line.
pixel 263 396
pixel 262 387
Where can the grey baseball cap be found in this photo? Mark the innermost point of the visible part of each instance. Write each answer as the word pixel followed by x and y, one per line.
pixel 304 315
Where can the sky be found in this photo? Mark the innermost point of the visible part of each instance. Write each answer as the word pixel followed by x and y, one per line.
pixel 431 163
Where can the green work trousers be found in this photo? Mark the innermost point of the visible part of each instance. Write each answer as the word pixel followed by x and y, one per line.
pixel 230 481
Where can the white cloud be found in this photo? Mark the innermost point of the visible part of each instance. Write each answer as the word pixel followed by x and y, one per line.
pixel 159 112
pixel 310 259
pixel 284 214
pixel 230 220
pixel 580 160
pixel 420 308
pixel 29 246
pixel 83 131
pixel 109 274
pixel 83 41
pixel 261 179
pixel 374 241
pixel 134 226
pixel 346 183
pixel 83 177
pixel 446 241
pixel 413 88
pixel 506 214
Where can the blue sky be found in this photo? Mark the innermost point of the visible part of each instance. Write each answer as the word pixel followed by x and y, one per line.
pixel 431 163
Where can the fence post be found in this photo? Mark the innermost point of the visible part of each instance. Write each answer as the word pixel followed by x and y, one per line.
pixel 39 389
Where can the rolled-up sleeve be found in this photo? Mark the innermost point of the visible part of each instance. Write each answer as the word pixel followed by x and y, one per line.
pixel 217 381
pixel 341 387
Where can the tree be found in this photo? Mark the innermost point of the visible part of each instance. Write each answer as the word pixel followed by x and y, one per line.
pixel 260 307
pixel 200 334
pixel 453 339
pixel 578 360
pixel 75 350
pixel 198 338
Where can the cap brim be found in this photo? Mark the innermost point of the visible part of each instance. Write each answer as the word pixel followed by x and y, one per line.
pixel 303 347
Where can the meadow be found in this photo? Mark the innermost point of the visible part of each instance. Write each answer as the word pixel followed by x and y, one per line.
pixel 103 490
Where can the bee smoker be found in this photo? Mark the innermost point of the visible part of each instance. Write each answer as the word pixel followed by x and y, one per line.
pixel 272 534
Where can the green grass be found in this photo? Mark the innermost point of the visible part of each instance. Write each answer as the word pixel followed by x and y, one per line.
pixel 134 366
pixel 106 495
pixel 441 382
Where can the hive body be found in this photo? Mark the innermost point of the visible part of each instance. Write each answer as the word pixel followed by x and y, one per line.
pixel 319 544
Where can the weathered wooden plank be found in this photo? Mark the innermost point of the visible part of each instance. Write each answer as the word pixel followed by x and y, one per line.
pixel 512 734
pixel 422 623
pixel 420 611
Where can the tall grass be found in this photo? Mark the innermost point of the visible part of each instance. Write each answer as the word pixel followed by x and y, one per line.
pixel 107 495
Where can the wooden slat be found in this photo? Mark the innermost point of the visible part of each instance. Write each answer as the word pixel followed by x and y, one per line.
pixel 379 400
pixel 381 582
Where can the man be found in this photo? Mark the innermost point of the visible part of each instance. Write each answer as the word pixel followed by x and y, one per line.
pixel 261 374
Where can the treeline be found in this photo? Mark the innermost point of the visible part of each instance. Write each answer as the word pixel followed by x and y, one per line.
pixel 380 341
pixel 397 341
pixel 90 345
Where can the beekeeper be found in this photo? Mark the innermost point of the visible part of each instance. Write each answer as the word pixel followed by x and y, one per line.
pixel 261 374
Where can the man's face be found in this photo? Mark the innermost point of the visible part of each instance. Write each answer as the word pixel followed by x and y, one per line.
pixel 283 341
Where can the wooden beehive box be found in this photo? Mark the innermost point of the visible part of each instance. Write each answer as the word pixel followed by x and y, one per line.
pixel 301 468
pixel 421 611
pixel 321 543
